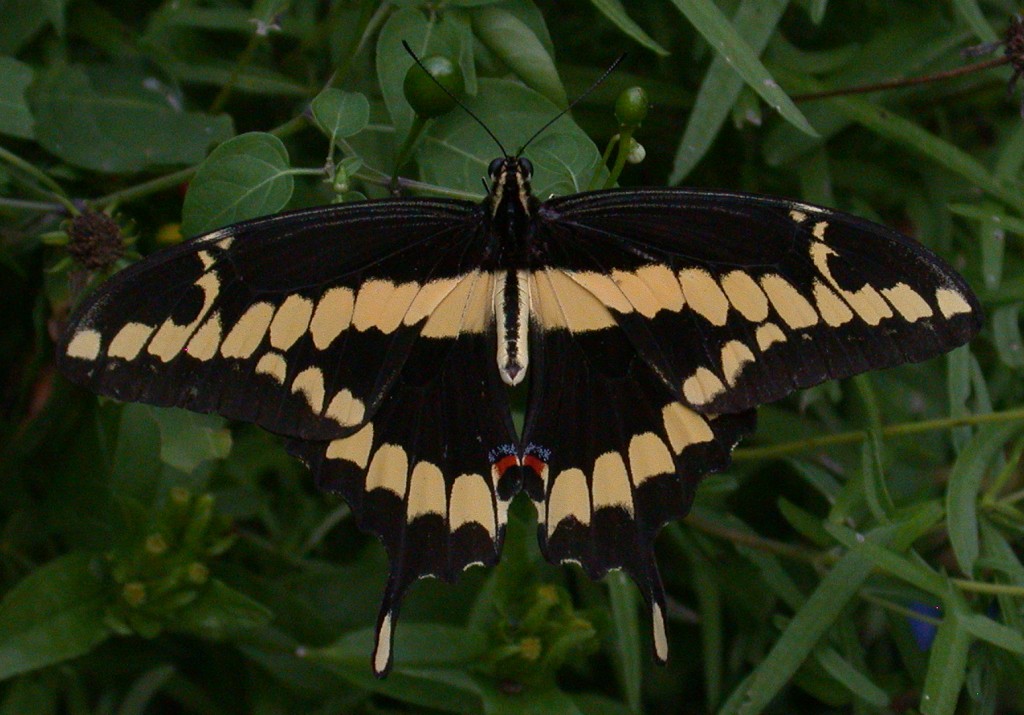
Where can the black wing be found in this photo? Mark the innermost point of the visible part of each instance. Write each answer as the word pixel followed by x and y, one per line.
pixel 735 300
pixel 298 322
pixel 611 456
pixel 365 333
pixel 662 318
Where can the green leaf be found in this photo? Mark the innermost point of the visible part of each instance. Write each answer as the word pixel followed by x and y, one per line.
pixel 876 490
pixel 886 559
pixel 244 177
pixel 989 213
pixel 900 49
pixel 997 634
pixel 456 151
pixel 99 120
pixel 252 80
pixel 221 612
pixel 426 37
pixel 755 22
pixel 805 523
pixel 852 678
pixel 628 647
pixel 971 12
pixel 137 469
pixel 810 624
pixel 964 483
pixel 422 675
pixel 15 117
pixel 947 666
pixel 145 688
pixel 36 694
pixel 1006 334
pixel 22 19
pixel 53 614
pixel 817 11
pixel 705 583
pixel 515 44
pixel 906 133
pixel 534 700
pixel 417 645
pixel 614 11
pixel 717 30
pixel 340 114
pixel 188 439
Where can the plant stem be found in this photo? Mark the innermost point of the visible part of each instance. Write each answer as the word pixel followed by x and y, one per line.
pixel 243 61
pixel 145 188
pixel 1006 589
pixel 40 176
pixel 754 541
pixel 897 608
pixel 41 206
pixel 907 428
pixel 419 123
pixel 900 83
pixel 625 139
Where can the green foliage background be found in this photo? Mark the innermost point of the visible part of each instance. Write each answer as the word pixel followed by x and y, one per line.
pixel 863 554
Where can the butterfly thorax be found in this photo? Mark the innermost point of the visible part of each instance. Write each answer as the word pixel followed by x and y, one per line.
pixel 512 208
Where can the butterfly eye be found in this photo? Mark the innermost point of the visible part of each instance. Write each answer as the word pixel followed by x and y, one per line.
pixel 495 167
pixel 527 167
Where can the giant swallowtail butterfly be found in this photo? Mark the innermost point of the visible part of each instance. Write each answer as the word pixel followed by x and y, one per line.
pixel 379 337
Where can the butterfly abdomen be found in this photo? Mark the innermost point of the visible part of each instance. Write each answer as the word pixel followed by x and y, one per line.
pixel 512 313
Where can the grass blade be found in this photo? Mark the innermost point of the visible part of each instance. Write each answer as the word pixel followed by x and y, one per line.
pixel 719 32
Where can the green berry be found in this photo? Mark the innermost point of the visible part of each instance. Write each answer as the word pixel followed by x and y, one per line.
pixel 423 93
pixel 631 106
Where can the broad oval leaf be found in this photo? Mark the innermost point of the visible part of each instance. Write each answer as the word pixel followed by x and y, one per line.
pixel 243 178
pixel 456 151
pixel 515 44
pixel 340 114
pixel 15 117
pixel 53 614
pixel 426 37
pixel 98 120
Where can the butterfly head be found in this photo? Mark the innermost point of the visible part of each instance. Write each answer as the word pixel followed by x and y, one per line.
pixel 510 186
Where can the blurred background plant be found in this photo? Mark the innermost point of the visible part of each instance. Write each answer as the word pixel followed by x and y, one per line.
pixel 863 554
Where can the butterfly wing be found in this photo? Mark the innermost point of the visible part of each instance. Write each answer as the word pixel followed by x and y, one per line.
pixel 422 475
pixel 611 455
pixel 298 322
pixel 735 300
pixel 360 331
pixel 662 318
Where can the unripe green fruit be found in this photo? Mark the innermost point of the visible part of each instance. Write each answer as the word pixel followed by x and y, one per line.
pixel 422 93
pixel 631 106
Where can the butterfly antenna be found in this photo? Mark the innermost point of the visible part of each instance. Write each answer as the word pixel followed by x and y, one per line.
pixel 454 98
pixel 574 102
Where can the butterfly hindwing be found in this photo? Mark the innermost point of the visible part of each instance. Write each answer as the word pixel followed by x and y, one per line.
pixel 298 322
pixel 610 455
pixel 736 300
pixel 420 475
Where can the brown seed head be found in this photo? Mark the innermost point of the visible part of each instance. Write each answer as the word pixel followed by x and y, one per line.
pixel 96 242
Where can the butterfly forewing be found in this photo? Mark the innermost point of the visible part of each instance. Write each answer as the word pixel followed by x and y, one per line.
pixel 735 300
pixel 298 322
